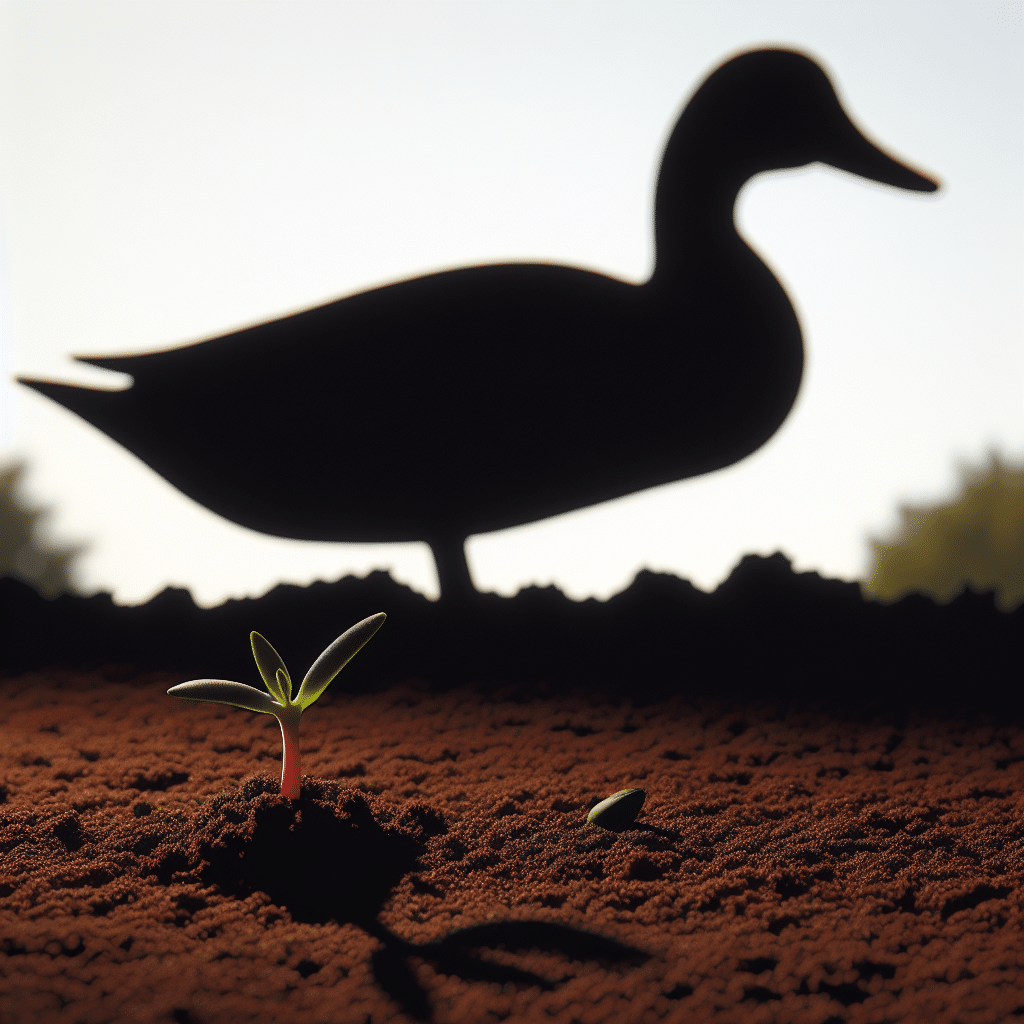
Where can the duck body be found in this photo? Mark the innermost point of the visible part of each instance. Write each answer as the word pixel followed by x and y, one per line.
pixel 489 420
pixel 482 398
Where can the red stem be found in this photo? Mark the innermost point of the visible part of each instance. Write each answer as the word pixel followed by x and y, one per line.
pixel 288 719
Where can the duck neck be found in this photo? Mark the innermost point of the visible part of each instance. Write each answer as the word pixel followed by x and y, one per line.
pixel 694 218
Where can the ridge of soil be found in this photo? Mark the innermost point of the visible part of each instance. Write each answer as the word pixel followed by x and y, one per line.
pixel 766 629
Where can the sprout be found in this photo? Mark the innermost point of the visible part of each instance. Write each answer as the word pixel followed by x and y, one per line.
pixel 279 702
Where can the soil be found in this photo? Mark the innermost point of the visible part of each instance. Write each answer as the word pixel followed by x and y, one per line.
pixel 766 629
pixel 789 865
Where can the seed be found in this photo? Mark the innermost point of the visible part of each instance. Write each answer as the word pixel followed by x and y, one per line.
pixel 618 812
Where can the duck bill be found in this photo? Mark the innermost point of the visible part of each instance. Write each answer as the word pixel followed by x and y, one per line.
pixel 856 155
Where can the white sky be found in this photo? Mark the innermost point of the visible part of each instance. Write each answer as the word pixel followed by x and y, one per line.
pixel 171 171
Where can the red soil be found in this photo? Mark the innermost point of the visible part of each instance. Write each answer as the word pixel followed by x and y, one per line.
pixel 787 866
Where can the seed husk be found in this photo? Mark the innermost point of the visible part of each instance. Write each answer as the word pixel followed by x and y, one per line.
pixel 618 812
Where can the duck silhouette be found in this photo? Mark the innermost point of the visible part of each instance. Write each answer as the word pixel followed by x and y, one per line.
pixel 482 398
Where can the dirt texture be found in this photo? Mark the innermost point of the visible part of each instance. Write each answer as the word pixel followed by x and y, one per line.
pixel 788 865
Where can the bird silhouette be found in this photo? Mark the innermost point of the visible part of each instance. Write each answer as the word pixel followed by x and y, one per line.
pixel 482 398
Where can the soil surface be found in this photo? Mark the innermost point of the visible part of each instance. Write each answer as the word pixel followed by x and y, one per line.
pixel 788 865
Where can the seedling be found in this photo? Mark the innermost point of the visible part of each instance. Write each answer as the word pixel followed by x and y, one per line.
pixel 279 701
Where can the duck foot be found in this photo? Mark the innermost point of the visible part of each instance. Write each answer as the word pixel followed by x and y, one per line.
pixel 453 570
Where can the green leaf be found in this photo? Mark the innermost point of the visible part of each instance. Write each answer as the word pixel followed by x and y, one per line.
pixel 284 684
pixel 270 664
pixel 222 691
pixel 336 657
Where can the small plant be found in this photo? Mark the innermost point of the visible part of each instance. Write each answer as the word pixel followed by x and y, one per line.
pixel 279 701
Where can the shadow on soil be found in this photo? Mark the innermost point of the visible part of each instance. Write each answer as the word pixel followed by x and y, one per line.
pixel 327 857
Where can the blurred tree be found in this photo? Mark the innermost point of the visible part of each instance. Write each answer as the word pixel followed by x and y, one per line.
pixel 977 540
pixel 24 554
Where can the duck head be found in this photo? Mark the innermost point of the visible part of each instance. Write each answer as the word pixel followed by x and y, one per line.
pixel 761 111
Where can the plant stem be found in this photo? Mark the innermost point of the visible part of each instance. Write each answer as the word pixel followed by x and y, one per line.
pixel 291 775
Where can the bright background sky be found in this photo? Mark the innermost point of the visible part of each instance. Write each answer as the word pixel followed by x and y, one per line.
pixel 172 171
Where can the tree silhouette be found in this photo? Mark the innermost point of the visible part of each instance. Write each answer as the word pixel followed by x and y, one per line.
pixel 975 540
pixel 24 553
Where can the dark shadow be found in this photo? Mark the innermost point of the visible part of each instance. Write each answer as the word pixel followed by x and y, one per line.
pixel 323 857
pixel 767 634
pixel 459 954
pixel 326 857
pixel 657 830
pixel 487 397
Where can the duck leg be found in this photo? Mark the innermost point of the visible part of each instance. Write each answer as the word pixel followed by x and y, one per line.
pixel 452 569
